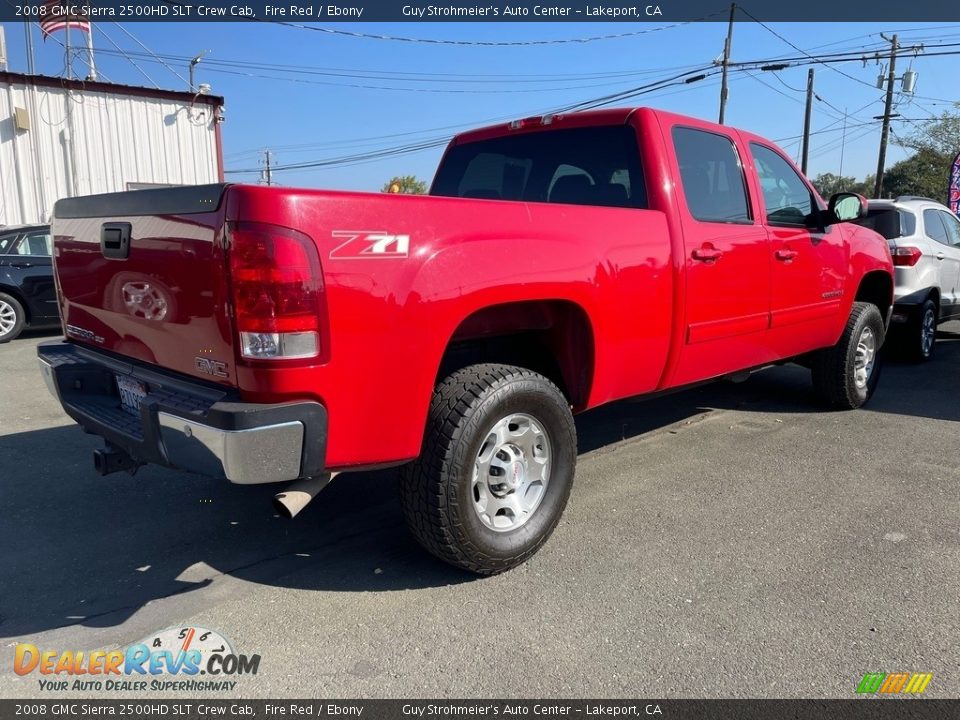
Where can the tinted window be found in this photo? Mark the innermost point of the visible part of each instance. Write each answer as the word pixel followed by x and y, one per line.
pixel 36 243
pixel 712 177
pixel 786 196
pixel 953 227
pixel 886 221
pixel 933 226
pixel 581 166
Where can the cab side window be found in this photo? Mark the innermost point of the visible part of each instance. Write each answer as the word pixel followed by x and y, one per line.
pixel 712 176
pixel 786 196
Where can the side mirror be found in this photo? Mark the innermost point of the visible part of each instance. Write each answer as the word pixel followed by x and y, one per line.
pixel 846 206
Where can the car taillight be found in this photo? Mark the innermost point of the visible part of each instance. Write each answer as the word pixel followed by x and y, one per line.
pixel 278 293
pixel 906 256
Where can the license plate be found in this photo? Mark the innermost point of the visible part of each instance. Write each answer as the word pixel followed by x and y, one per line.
pixel 132 393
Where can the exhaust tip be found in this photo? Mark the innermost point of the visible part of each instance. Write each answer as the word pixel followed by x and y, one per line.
pixel 284 509
pixel 298 495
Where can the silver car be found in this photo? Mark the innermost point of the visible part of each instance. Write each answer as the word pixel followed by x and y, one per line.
pixel 924 239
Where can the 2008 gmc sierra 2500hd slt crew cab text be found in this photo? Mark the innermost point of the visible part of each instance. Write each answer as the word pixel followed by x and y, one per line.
pixel 267 334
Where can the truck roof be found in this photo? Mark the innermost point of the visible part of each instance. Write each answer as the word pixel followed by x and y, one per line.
pixel 613 116
pixel 586 118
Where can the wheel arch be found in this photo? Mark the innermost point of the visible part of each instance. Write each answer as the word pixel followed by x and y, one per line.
pixel 876 287
pixel 553 337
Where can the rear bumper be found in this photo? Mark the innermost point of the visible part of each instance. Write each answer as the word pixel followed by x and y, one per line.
pixel 185 424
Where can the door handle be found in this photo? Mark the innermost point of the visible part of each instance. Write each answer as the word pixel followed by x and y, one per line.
pixel 21 264
pixel 940 256
pixel 706 254
pixel 786 255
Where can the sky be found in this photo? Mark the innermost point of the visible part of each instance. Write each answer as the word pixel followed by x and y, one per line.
pixel 413 92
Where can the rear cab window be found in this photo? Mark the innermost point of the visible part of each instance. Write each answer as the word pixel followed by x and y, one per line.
pixel 597 166
pixel 712 176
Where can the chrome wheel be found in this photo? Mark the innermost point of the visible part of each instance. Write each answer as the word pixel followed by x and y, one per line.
pixel 866 357
pixel 928 331
pixel 8 318
pixel 511 472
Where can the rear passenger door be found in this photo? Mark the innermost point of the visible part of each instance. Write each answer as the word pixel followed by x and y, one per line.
pixel 726 258
pixel 809 263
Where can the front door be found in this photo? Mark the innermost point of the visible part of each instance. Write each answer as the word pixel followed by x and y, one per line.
pixel 726 258
pixel 809 262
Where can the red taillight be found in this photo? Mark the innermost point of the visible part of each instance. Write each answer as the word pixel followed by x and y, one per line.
pixel 277 289
pixel 906 256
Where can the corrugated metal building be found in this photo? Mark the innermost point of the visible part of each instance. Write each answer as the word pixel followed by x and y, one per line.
pixel 62 138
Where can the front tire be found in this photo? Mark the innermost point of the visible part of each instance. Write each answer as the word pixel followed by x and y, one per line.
pixel 12 318
pixel 845 375
pixel 496 469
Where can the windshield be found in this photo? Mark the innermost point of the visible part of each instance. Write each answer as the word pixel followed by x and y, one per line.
pixel 579 166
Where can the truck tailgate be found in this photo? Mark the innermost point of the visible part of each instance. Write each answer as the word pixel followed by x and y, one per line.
pixel 142 274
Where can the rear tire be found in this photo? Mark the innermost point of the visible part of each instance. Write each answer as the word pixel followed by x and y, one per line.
pixel 845 375
pixel 12 318
pixel 920 337
pixel 496 469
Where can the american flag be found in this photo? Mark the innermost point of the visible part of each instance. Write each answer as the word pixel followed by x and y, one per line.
pixel 56 16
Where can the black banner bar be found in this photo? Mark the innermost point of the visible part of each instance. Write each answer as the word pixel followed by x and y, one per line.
pixel 623 11
pixel 872 708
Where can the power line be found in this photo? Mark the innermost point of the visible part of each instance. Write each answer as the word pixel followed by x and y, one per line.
pixel 124 54
pixel 800 50
pixel 137 40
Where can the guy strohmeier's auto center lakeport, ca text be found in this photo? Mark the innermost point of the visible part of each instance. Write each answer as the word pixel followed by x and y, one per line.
pixel 170 11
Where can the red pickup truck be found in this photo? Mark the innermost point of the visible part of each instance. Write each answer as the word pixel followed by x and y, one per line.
pixel 266 334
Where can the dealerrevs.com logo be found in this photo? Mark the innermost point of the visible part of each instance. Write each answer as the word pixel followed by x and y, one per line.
pixel 183 658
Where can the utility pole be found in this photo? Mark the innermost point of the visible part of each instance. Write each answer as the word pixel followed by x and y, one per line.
pixel 806 122
pixel 727 48
pixel 888 109
pixel 843 142
pixel 267 175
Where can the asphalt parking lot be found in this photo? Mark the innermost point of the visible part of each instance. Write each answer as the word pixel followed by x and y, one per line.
pixel 732 541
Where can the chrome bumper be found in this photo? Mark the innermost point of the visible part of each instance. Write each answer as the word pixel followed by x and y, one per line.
pixel 185 424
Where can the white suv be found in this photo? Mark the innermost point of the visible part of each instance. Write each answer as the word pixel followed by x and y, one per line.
pixel 924 239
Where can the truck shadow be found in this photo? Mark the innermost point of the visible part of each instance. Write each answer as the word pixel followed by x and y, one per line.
pixel 83 550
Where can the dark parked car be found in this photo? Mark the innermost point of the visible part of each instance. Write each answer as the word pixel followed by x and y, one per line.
pixel 27 293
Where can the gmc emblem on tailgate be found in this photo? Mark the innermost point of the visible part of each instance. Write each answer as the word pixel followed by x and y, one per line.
pixel 210 367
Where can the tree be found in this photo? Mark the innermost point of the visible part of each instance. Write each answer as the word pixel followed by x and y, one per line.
pixel 939 135
pixel 827 184
pixel 406 185
pixel 925 173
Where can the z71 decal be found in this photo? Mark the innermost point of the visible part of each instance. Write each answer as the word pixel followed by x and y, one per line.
pixel 369 245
